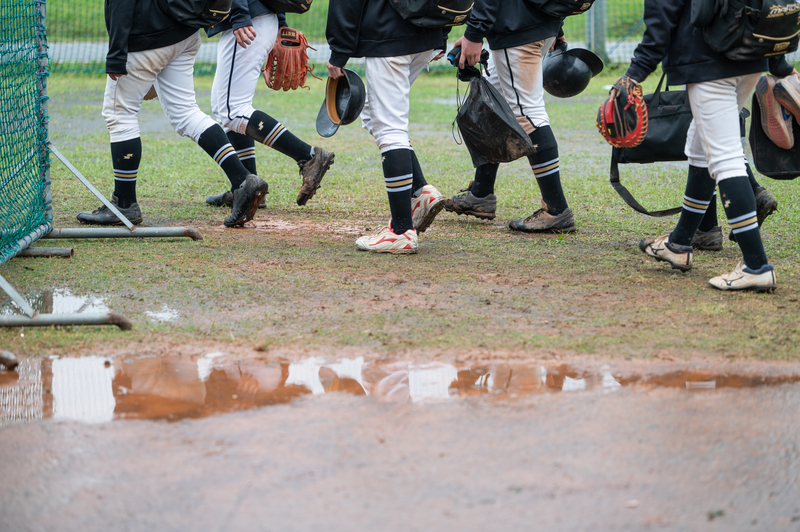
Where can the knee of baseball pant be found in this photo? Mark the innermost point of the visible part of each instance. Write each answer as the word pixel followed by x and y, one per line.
pixel 727 170
pixel 193 125
pixel 121 128
pixel 393 142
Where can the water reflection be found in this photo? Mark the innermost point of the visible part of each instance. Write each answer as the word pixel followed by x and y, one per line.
pixel 58 301
pixel 99 389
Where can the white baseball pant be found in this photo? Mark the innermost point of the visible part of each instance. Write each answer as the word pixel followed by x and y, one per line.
pixel 238 72
pixel 385 113
pixel 171 70
pixel 517 74
pixel 714 140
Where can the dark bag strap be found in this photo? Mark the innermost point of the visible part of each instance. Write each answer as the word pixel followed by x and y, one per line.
pixel 623 192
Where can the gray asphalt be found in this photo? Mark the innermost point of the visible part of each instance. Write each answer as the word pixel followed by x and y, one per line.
pixel 635 459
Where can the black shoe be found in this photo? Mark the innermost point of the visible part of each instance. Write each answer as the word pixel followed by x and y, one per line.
pixel 226 200
pixel 245 201
pixel 467 203
pixel 313 171
pixel 710 240
pixel 104 216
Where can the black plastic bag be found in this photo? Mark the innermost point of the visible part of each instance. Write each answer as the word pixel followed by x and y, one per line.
pixel 488 126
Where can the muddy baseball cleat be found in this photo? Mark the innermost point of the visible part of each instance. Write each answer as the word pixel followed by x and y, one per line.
pixel 425 207
pixel 680 257
pixel 775 119
pixel 103 215
pixel 467 203
pixel 313 171
pixel 542 221
pixel 226 200
pixel 246 199
pixel 386 241
pixel 743 278
pixel 710 240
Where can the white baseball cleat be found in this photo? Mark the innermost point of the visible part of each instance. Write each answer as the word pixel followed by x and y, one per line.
pixel 386 241
pixel 425 207
pixel 743 278
pixel 680 257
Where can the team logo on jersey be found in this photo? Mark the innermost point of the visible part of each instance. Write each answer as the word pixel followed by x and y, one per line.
pixel 781 46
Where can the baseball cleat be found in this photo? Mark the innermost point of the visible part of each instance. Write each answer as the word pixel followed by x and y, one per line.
pixel 386 241
pixel 246 199
pixel 467 203
pixel 542 221
pixel 103 215
pixel 787 94
pixel 313 171
pixel 743 278
pixel 226 200
pixel 680 257
pixel 775 119
pixel 425 207
pixel 710 240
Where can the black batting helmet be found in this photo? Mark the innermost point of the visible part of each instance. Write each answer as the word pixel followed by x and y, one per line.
pixel 566 73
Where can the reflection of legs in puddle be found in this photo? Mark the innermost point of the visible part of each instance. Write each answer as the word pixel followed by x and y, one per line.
pixel 8 360
pixel 331 382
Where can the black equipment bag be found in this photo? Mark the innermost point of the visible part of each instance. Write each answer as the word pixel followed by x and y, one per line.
pixel 434 13
pixel 488 126
pixel 197 13
pixel 747 30
pixel 669 117
pixel 562 8
pixel 287 6
pixel 769 159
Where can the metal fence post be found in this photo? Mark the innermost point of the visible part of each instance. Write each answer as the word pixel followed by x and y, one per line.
pixel 596 29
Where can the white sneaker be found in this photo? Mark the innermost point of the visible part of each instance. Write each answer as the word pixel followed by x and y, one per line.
pixel 659 248
pixel 425 207
pixel 386 241
pixel 743 278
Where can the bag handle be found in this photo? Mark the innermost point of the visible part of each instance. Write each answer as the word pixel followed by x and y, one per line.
pixel 656 99
pixel 627 196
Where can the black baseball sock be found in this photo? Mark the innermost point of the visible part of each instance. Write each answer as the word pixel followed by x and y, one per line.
pixel 245 148
pixel 485 177
pixel 710 220
pixel 269 131
pixel 398 173
pixel 419 177
pixel 214 141
pixel 545 166
pixel 739 202
pixel 699 190
pixel 125 157
pixel 751 177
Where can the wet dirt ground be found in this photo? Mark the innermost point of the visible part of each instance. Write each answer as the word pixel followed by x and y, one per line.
pixel 220 442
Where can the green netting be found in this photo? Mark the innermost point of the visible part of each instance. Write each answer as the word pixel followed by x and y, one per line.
pixel 24 160
pixel 79 42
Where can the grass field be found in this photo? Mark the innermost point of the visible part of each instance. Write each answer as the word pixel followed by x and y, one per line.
pixel 292 281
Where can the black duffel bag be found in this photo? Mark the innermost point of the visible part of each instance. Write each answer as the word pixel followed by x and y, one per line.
pixel 769 159
pixel 488 126
pixel 287 6
pixel 669 117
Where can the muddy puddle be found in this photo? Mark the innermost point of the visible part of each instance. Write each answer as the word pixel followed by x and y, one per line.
pixel 98 389
pixel 63 301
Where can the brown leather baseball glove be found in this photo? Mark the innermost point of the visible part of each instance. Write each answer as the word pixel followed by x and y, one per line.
pixel 622 120
pixel 287 64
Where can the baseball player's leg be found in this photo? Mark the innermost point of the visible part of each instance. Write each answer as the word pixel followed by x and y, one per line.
pixel 716 106
pixel 389 81
pixel 519 72
pixel 121 103
pixel 176 92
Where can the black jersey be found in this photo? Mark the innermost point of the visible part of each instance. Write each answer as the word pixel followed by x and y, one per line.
pixel 372 28
pixel 509 23
pixel 671 38
pixel 136 26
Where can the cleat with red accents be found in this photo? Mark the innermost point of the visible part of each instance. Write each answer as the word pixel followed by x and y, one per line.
pixel 425 207
pixel 775 119
pixel 386 241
